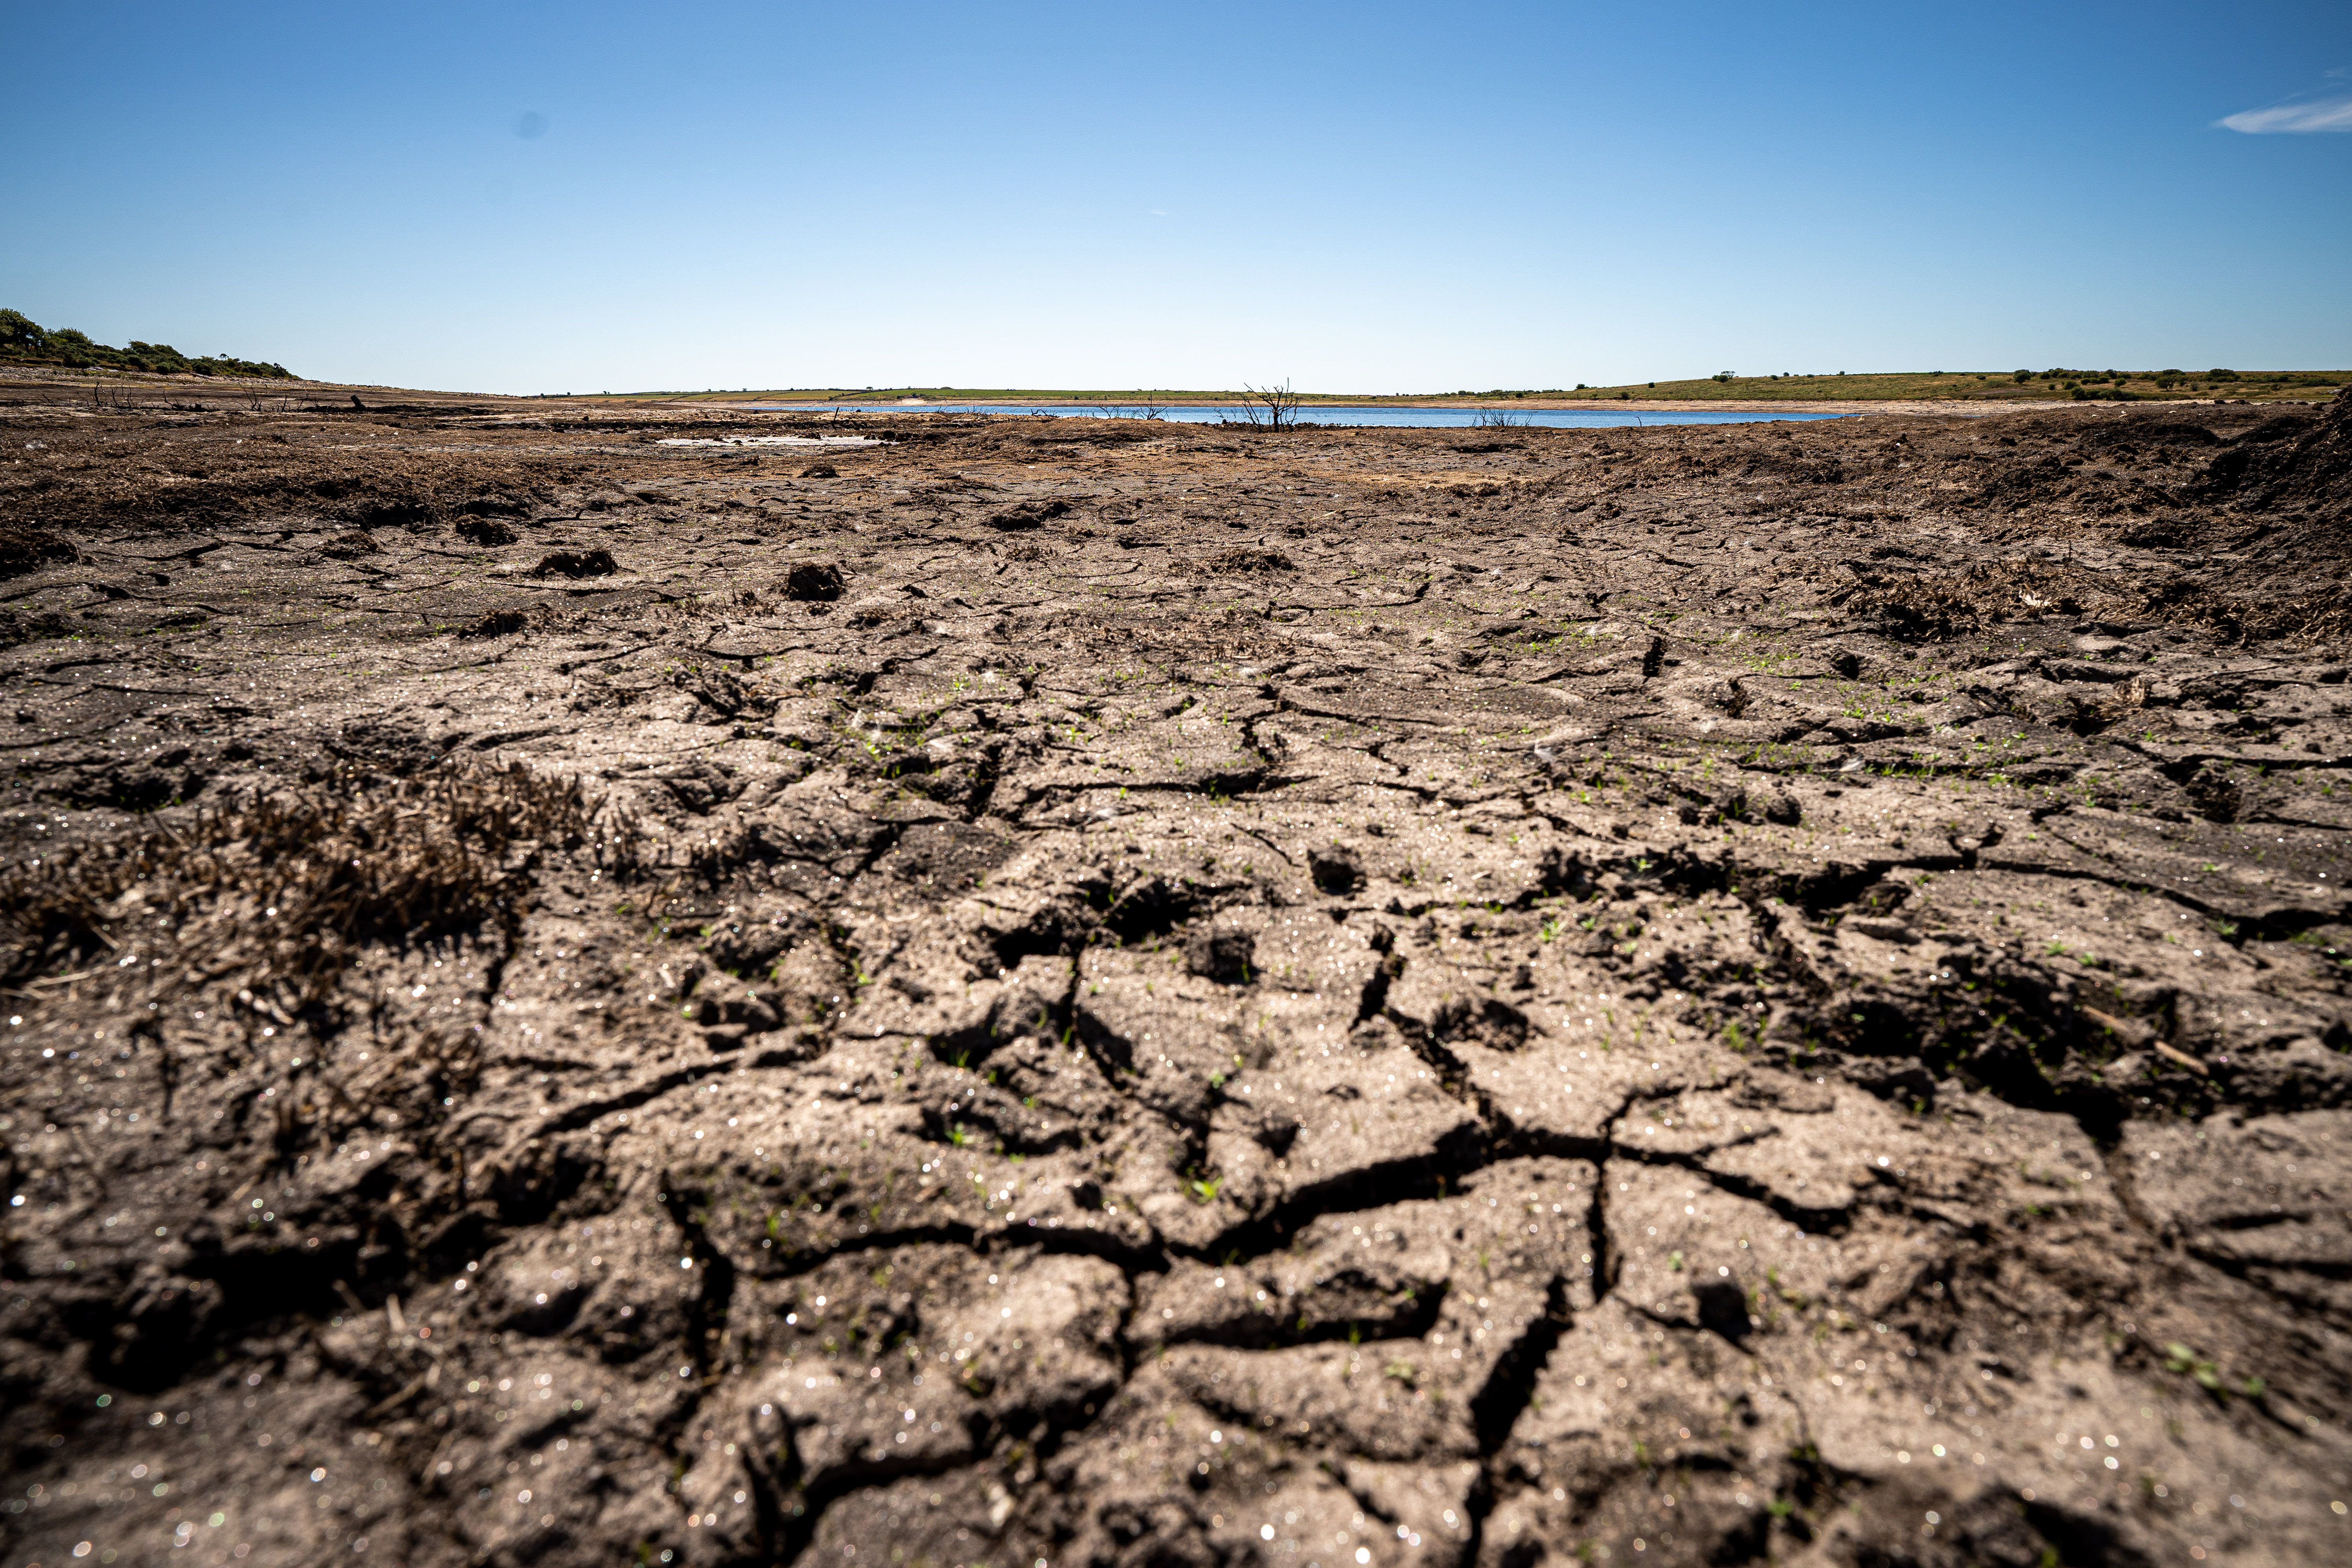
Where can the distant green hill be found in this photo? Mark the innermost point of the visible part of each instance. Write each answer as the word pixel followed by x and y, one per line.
pixel 25 340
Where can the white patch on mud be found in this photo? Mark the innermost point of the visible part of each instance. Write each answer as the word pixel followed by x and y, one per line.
pixel 771 441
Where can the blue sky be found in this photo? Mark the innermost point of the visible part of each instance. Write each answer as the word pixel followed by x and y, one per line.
pixel 1357 197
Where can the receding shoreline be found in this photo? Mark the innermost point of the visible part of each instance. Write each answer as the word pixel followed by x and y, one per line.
pixel 108 384
pixel 1529 405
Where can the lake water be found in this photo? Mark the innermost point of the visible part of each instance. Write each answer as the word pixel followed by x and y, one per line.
pixel 1335 414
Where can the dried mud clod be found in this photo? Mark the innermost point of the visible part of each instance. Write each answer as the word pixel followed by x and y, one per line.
pixel 497 624
pixel 1230 562
pixel 487 531
pixel 1796 1027
pixel 576 563
pixel 1028 515
pixel 813 579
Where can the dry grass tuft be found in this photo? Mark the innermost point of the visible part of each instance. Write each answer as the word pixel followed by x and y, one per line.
pixel 1235 563
pixel 285 889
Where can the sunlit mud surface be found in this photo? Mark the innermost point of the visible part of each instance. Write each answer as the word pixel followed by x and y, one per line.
pixel 1087 993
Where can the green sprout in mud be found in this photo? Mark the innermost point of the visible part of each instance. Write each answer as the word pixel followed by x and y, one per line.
pixel 2179 1358
pixel 1204 1189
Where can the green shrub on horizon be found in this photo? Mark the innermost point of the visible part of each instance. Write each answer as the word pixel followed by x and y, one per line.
pixel 25 340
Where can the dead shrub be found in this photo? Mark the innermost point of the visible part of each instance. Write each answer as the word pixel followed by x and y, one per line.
pixel 284 889
pixel 2311 620
pixel 1935 607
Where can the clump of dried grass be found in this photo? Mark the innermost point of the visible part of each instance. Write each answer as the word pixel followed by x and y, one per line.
pixel 1243 562
pixel 1939 606
pixel 285 889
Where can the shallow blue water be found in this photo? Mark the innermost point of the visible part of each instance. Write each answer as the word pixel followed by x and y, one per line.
pixel 1431 418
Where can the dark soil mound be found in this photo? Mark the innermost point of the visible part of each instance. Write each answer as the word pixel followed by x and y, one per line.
pixel 24 549
pixel 486 530
pixel 2290 461
pixel 497 624
pixel 1028 515
pixel 393 511
pixel 1240 563
pixel 576 563
pixel 2316 471
pixel 2140 433
pixel 813 579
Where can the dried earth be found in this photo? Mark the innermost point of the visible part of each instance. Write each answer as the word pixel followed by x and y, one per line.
pixel 591 989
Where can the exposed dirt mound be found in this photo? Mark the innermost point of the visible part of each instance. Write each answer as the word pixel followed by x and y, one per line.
pixel 24 549
pixel 576 563
pixel 813 579
pixel 1028 515
pixel 487 531
pixel 497 624
pixel 2316 471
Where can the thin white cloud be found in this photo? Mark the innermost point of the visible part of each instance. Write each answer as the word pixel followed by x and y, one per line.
pixel 2327 114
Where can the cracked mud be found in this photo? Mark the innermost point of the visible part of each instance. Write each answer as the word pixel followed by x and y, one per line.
pixel 593 990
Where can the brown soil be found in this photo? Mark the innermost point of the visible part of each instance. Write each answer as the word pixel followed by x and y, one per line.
pixel 1086 993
